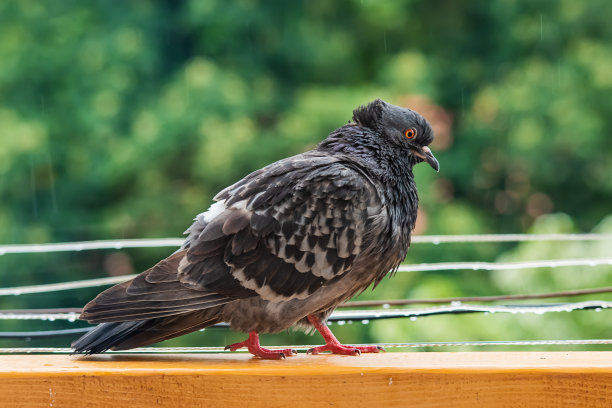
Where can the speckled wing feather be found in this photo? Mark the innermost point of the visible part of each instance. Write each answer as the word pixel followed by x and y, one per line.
pixel 280 233
pixel 283 231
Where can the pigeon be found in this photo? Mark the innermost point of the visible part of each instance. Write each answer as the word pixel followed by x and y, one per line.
pixel 284 246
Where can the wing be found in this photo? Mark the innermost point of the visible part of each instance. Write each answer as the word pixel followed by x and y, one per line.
pixel 282 232
pixel 154 293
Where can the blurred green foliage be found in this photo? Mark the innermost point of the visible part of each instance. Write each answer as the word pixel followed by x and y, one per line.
pixel 123 120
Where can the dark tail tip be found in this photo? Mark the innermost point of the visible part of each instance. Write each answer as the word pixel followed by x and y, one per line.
pixel 104 336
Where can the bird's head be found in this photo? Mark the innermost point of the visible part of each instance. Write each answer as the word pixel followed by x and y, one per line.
pixel 401 127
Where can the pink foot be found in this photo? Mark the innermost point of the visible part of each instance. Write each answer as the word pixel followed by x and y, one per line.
pixel 337 348
pixel 332 344
pixel 252 344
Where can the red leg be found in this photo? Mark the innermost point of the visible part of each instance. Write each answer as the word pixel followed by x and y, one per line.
pixel 332 344
pixel 252 343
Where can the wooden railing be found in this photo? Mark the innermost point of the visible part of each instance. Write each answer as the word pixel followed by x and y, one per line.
pixel 420 379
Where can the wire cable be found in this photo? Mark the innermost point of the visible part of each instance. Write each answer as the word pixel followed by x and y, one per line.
pixel 424 267
pixel 398 302
pixel 463 299
pixel 89 245
pixel 302 347
pixel 499 266
pixel 55 287
pixel 42 334
pixel 176 242
pixel 367 315
pixel 471 238
pixel 393 302
pixel 340 317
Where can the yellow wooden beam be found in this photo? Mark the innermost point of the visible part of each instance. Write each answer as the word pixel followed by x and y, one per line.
pixel 483 379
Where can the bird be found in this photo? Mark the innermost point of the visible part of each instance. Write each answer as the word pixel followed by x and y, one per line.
pixel 284 246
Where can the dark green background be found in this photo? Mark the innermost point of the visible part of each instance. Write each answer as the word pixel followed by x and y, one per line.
pixel 123 119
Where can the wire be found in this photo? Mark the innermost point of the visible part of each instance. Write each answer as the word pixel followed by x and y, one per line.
pixel 339 317
pixel 424 267
pixel 70 316
pixel 392 302
pixel 40 334
pixel 403 302
pixel 302 347
pixel 89 245
pixel 76 310
pixel 447 239
pixel 396 302
pixel 175 242
pixel 458 308
pixel 367 315
pixel 498 266
pixel 54 287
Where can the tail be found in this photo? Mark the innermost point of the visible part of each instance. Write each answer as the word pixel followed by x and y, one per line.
pixel 152 307
pixel 137 333
pixel 105 336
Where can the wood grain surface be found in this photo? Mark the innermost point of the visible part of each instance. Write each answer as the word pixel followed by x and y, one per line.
pixel 483 379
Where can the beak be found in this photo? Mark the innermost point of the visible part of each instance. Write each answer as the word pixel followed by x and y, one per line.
pixel 426 154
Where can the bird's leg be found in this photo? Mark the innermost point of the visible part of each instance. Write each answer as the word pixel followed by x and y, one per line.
pixel 252 343
pixel 332 344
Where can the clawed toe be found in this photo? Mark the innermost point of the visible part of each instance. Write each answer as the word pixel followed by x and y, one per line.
pixel 252 344
pixel 370 349
pixel 236 346
pixel 337 348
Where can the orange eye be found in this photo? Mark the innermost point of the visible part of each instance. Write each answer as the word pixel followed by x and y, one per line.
pixel 410 133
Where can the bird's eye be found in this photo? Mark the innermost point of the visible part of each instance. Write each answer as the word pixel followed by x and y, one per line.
pixel 410 133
